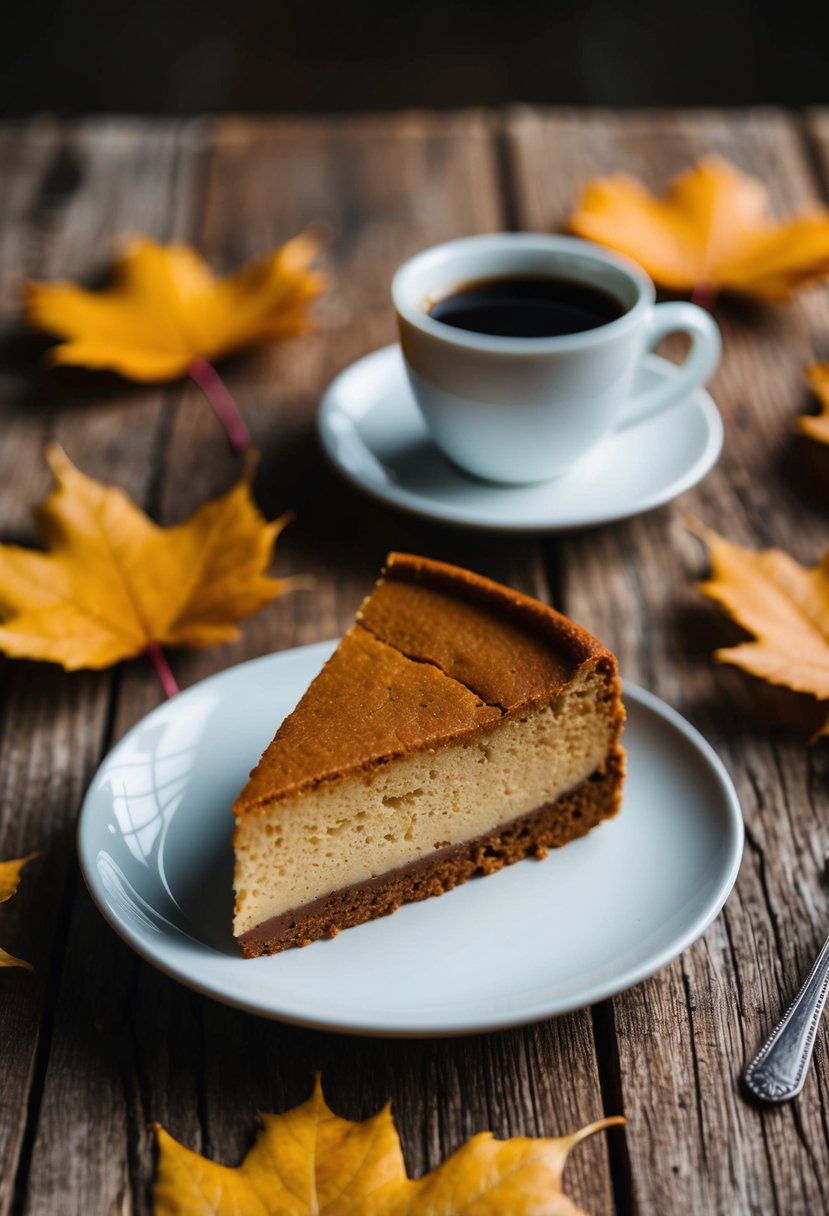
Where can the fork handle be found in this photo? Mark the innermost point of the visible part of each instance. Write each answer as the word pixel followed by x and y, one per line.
pixel 778 1071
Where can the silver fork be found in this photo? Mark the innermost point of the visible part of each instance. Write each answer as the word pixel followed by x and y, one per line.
pixel 778 1071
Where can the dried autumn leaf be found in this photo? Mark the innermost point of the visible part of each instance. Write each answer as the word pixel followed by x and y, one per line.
pixel 9 882
pixel 113 584
pixel 817 426
pixel 166 310
pixel 783 604
pixel 309 1162
pixel 709 233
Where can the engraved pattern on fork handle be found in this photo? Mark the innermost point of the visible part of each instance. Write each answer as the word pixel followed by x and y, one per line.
pixel 778 1071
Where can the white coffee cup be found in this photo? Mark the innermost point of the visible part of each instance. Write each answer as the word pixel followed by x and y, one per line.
pixel 521 410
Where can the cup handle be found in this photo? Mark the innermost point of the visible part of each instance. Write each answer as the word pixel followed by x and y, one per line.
pixel 676 317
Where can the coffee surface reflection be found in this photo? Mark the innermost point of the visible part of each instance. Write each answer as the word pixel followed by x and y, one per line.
pixel 525 306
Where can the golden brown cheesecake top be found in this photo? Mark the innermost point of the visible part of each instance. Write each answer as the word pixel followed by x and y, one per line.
pixel 436 653
pixel 507 647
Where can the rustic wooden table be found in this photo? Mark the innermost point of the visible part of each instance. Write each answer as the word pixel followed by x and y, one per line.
pixel 97 1044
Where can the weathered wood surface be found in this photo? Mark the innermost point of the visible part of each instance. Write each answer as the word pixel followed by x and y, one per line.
pixel 98 1044
pixel 694 1144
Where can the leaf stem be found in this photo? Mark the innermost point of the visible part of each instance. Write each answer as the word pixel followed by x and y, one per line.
pixel 162 669
pixel 224 407
pixel 704 295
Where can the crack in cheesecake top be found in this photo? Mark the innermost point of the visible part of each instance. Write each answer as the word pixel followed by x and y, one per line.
pixel 507 648
pixel 436 653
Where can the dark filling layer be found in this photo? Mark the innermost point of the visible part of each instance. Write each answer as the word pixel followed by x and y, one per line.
pixel 549 827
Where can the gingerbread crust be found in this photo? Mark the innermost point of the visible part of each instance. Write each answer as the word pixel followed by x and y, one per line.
pixel 550 826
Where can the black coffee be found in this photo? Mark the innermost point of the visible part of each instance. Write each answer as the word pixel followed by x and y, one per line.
pixel 526 306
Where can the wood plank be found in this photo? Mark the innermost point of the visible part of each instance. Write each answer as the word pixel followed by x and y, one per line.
pixel 129 1046
pixel 683 1037
pixel 392 187
pixel 24 165
pixel 97 182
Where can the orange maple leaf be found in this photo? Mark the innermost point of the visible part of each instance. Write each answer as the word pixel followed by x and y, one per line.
pixel 816 426
pixel 9 881
pixel 167 315
pixel 113 584
pixel 166 309
pixel 783 604
pixel 309 1162
pixel 709 233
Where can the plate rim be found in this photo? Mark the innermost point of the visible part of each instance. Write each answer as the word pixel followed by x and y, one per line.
pixel 419 507
pixel 349 1024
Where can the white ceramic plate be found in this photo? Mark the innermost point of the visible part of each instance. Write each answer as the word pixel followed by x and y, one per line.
pixel 372 431
pixel 538 938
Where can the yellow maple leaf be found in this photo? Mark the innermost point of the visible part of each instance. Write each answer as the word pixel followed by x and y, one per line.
pixel 816 426
pixel 9 882
pixel 309 1162
pixel 166 309
pixel 709 233
pixel 113 584
pixel 783 604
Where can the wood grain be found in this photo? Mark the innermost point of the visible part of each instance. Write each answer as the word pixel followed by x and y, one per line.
pixel 694 1144
pixel 127 1046
pixel 97 1044
pixel 91 185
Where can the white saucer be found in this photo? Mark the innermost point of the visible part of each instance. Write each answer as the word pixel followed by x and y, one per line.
pixel 537 939
pixel 373 433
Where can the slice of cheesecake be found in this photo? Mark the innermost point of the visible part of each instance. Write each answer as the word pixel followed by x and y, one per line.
pixel 458 727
